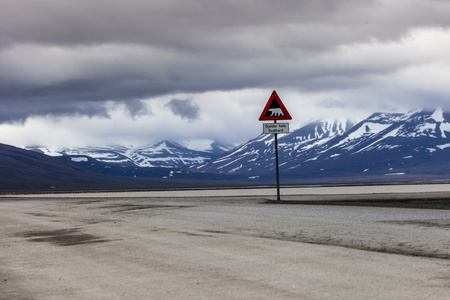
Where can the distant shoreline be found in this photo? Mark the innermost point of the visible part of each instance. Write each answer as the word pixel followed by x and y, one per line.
pixel 394 203
pixel 431 196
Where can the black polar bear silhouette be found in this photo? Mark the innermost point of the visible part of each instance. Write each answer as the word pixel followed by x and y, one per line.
pixel 276 112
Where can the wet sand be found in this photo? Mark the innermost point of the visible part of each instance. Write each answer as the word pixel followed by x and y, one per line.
pixel 436 200
pixel 147 246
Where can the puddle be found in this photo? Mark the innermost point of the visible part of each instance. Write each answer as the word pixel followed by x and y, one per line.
pixel 424 223
pixel 62 237
pixel 130 207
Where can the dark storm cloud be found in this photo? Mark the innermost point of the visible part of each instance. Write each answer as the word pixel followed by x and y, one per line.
pixel 63 57
pixel 18 110
pixel 186 108
pixel 137 108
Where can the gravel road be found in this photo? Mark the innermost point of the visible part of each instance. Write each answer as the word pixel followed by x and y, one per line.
pixel 120 246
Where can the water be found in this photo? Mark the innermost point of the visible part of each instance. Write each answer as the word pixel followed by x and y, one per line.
pixel 260 192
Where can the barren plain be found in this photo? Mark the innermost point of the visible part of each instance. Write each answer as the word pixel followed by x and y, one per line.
pixel 224 244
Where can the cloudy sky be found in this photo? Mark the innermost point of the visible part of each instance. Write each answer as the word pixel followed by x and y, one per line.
pixel 75 72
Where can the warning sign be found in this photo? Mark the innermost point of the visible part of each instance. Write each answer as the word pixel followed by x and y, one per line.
pixel 274 110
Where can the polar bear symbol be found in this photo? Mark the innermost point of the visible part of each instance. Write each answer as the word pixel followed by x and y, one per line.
pixel 276 112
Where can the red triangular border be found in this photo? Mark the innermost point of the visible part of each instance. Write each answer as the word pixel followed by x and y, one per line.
pixel 274 97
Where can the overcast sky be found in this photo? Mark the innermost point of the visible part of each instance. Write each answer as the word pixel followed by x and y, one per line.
pixel 103 72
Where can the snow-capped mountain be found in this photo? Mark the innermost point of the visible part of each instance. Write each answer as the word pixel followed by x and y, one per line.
pixel 165 154
pixel 412 146
pixel 387 144
pixel 257 155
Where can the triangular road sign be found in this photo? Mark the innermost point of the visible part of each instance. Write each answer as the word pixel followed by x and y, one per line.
pixel 274 110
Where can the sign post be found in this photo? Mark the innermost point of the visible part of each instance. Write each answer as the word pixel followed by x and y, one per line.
pixel 275 110
pixel 277 164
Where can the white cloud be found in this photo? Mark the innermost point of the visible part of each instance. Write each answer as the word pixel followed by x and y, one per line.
pixel 230 117
pixel 109 76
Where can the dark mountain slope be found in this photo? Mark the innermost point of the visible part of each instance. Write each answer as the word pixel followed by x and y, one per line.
pixel 25 170
pixel 29 170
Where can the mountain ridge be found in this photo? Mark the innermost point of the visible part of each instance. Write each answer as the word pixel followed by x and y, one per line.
pixel 382 144
pixel 165 153
pixel 30 171
pixel 384 147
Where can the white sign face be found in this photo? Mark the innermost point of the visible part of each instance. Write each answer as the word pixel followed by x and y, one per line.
pixel 275 128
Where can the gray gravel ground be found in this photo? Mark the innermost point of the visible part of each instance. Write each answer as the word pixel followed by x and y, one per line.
pixel 241 247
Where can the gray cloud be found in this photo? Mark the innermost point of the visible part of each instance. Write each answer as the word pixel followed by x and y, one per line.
pixel 71 57
pixel 137 108
pixel 18 110
pixel 186 108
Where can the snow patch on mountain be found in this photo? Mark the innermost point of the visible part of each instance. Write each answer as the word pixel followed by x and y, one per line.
pixel 438 115
pixel 442 147
pixel 48 151
pixel 79 159
pixel 198 144
pixel 445 128
pixel 366 129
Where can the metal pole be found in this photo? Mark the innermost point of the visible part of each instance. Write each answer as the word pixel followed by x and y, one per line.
pixel 276 162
